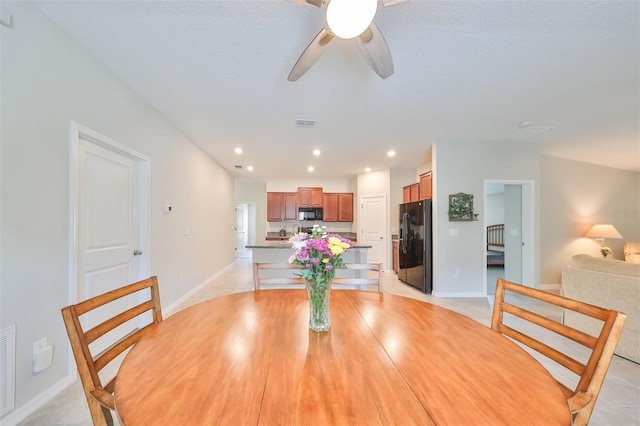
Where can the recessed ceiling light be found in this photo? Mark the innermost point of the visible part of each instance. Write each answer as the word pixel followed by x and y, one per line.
pixel 316 152
pixel 367 169
pixel 238 150
pixel 310 168
pixel 250 168
pixel 391 153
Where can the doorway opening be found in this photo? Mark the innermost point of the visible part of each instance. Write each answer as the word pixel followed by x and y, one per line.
pixel 508 236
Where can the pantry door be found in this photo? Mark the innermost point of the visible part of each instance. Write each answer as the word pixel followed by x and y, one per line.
pixel 373 220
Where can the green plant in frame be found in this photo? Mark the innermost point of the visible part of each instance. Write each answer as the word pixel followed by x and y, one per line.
pixel 460 206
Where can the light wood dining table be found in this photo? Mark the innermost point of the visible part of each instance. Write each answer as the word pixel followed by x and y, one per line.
pixel 250 358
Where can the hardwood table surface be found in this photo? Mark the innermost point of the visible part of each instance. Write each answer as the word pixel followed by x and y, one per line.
pixel 250 358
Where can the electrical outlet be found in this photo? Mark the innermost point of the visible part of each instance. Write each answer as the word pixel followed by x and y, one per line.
pixel 42 355
pixel 455 271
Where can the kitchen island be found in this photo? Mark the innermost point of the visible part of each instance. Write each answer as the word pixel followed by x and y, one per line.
pixel 280 251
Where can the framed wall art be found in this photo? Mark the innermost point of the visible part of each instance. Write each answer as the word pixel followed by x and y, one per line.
pixel 461 207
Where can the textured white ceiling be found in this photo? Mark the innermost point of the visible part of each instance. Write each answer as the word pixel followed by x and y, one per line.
pixel 464 71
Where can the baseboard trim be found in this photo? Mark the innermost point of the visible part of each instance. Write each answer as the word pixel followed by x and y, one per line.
pixel 17 415
pixel 453 295
pixel 551 288
pixel 167 311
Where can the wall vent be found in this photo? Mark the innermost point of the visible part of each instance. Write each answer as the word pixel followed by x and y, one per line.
pixel 305 123
pixel 7 369
pixel 529 132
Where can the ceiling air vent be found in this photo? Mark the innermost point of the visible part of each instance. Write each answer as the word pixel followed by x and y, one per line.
pixel 526 130
pixel 305 123
pixel 238 166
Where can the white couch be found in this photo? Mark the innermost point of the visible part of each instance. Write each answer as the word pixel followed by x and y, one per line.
pixel 611 284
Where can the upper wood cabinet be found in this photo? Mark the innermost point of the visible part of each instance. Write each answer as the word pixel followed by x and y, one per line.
pixel 406 194
pixel 337 207
pixel 310 197
pixel 425 186
pixel 290 205
pixel 418 191
pixel 345 207
pixel 282 206
pixel 411 193
pixel 415 192
pixel 330 207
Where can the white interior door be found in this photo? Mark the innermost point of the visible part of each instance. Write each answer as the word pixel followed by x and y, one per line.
pixel 111 241
pixel 373 225
pixel 241 228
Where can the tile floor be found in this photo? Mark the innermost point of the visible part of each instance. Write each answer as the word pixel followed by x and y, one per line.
pixel 618 403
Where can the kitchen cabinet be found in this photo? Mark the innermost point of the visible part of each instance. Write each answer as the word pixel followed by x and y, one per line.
pixel 310 197
pixel 425 186
pixel 337 207
pixel 396 255
pixel 411 193
pixel 345 207
pixel 282 206
pixel 330 207
pixel 415 192
pixel 290 205
pixel 406 194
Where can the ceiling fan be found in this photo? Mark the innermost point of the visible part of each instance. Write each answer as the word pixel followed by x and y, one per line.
pixel 348 19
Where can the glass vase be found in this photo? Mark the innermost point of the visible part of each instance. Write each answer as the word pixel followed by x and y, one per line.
pixel 319 292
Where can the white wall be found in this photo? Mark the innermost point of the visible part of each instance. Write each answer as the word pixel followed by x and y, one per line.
pixel 577 195
pixel 48 80
pixel 495 209
pixel 462 167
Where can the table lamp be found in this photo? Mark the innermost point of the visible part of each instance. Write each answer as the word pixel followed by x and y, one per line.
pixel 600 232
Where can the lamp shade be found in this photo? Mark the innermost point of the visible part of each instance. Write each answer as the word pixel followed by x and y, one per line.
pixel 603 231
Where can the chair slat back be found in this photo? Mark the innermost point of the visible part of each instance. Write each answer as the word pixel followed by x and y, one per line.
pixel 582 398
pixel 99 397
pixel 260 279
pixel 376 267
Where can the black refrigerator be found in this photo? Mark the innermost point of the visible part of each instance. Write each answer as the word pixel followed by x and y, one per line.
pixel 415 245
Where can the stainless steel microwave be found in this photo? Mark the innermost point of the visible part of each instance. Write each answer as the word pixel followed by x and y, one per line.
pixel 309 213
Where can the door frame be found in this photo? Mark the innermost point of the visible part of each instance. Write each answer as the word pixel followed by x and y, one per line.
pixel 528 230
pixel 143 169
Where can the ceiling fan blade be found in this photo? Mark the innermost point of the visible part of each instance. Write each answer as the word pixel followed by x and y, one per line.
pixel 375 50
pixel 390 2
pixel 316 3
pixel 311 54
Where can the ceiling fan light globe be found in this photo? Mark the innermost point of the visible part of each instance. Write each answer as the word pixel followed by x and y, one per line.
pixel 350 18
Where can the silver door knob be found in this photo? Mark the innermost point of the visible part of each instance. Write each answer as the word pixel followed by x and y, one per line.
pixel 137 252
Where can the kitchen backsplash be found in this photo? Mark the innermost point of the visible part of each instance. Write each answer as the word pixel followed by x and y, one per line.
pixel 290 225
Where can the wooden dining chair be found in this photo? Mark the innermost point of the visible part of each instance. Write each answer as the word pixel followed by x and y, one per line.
pixel 260 279
pixel 582 398
pixel 375 267
pixel 136 314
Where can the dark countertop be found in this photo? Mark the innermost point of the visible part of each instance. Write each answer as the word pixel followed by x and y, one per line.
pixel 275 236
pixel 286 245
